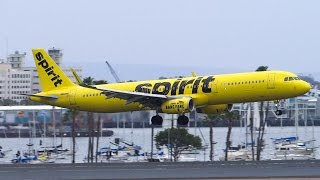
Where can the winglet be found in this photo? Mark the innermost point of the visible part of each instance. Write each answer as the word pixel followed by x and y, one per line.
pixel 193 74
pixel 76 76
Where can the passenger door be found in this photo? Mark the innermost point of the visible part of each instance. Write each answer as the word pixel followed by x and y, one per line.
pixel 72 97
pixel 271 79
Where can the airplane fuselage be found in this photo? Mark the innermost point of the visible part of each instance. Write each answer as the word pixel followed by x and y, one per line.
pixel 204 90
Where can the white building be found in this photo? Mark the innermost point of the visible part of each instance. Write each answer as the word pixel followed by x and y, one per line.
pixel 16 79
pixel 56 55
pixel 16 60
pixel 14 82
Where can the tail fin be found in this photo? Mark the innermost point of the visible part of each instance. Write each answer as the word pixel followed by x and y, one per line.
pixel 50 74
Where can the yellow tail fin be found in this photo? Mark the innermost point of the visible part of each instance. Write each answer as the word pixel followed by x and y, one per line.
pixel 50 74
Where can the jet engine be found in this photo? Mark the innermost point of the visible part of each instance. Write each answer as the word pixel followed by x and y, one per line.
pixel 178 106
pixel 215 109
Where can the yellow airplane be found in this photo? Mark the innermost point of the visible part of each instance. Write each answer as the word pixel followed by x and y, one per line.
pixel 208 94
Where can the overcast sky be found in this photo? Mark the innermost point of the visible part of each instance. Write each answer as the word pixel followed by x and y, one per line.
pixel 283 34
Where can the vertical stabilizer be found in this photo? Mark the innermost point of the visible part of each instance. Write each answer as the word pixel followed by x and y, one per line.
pixel 50 75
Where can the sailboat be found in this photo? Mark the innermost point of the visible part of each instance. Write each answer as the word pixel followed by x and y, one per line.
pixel 291 147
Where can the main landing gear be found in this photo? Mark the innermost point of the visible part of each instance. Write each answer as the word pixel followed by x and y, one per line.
pixel 158 120
pixel 183 120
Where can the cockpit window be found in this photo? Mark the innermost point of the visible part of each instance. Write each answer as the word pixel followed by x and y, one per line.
pixel 291 78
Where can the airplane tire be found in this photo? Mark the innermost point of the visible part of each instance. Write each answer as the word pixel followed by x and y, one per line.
pixel 156 120
pixel 278 112
pixel 183 120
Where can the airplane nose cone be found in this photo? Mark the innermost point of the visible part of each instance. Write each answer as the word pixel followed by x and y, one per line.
pixel 305 87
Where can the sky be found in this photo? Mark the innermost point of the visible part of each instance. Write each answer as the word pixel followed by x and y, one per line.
pixel 167 36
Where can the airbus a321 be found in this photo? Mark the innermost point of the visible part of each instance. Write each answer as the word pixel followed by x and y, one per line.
pixel 207 94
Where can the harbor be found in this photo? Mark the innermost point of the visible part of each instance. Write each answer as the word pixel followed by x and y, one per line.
pixel 142 137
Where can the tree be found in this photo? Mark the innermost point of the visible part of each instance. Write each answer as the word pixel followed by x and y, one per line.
pixel 71 113
pixel 262 120
pixel 180 140
pixel 88 80
pixel 100 82
pixel 211 119
pixel 230 117
pixel 90 116
pixel 262 68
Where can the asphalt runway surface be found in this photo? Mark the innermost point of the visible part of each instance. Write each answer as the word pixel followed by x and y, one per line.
pixel 309 169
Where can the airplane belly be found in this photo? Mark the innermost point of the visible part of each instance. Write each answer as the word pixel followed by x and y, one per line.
pixel 111 105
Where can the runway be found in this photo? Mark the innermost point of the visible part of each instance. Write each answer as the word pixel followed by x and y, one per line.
pixel 182 170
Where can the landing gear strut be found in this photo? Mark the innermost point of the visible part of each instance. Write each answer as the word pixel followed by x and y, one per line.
pixel 183 120
pixel 278 112
pixel 156 120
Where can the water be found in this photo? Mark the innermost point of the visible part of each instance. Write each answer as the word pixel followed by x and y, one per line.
pixel 140 136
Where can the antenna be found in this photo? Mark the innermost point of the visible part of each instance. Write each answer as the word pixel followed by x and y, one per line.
pixel 114 74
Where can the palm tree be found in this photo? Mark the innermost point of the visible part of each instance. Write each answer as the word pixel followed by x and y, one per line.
pixel 262 120
pixel 211 119
pixel 72 113
pixel 90 81
pixel 229 116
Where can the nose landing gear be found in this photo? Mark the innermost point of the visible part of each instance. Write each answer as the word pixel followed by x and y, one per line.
pixel 279 106
pixel 278 112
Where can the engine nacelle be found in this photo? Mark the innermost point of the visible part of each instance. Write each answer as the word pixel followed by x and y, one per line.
pixel 178 106
pixel 215 109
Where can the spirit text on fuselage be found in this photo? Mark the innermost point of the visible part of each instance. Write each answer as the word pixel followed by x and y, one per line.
pixel 177 87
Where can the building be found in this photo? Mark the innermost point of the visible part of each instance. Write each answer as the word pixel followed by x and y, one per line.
pixel 56 55
pixel 35 85
pixel 14 82
pixel 17 79
pixel 16 60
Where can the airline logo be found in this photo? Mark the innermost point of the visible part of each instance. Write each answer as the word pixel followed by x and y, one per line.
pixel 177 87
pixel 55 78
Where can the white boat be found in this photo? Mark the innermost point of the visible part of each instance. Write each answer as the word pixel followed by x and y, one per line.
pixel 294 149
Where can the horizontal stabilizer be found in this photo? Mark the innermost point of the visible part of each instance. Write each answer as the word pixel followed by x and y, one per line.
pixel 34 95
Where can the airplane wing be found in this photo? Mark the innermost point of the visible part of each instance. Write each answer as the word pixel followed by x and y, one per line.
pixel 146 99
